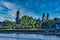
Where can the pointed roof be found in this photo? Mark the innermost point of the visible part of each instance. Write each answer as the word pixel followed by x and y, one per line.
pixel 47 14
pixel 43 14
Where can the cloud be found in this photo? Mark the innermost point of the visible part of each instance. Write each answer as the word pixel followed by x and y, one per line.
pixel 9 5
pixel 29 13
pixel 2 18
pixel 11 13
pixel 1 8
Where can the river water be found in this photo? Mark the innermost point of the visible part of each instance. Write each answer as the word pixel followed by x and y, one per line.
pixel 28 37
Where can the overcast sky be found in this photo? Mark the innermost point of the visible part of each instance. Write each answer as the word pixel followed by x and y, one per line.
pixel 34 8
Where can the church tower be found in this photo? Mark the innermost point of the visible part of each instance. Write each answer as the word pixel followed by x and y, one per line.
pixel 43 17
pixel 47 16
pixel 17 17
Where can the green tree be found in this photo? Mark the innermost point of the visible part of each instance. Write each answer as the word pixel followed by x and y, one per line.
pixel 57 20
pixel 47 24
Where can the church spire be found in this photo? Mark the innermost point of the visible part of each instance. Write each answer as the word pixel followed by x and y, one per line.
pixel 48 16
pixel 43 17
pixel 43 14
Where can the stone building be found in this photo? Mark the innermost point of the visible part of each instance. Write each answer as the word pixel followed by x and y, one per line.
pixel 45 18
pixel 17 18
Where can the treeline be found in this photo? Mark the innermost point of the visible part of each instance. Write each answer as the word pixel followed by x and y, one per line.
pixel 27 22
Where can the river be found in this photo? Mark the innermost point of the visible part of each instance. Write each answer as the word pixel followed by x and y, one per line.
pixel 27 37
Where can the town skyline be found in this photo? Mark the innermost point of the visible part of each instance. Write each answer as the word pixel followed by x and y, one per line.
pixel 44 16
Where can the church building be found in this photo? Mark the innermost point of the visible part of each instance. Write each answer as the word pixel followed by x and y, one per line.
pixel 45 18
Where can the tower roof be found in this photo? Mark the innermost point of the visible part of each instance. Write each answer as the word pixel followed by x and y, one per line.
pixel 47 14
pixel 18 11
pixel 43 14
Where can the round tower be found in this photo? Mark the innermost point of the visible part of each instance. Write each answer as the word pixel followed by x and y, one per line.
pixel 17 17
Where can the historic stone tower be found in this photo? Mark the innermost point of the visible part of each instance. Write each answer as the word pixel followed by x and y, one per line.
pixel 43 17
pixel 17 17
pixel 47 16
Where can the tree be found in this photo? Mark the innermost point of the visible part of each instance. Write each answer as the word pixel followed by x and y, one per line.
pixel 8 24
pixel 51 22
pixel 47 24
pixel 38 23
pixel 26 19
pixel 57 20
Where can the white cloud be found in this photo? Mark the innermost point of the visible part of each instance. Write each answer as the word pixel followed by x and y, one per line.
pixel 29 13
pixel 9 5
pixel 13 9
pixel 10 13
pixel 2 18
pixel 1 8
pixel 12 6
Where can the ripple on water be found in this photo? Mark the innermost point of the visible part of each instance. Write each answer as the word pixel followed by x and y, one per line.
pixel 27 37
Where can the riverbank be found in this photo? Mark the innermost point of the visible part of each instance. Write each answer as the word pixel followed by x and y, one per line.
pixel 32 31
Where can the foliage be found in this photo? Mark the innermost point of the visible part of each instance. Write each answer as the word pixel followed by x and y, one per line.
pixel 51 22
pixel 27 22
pixel 57 20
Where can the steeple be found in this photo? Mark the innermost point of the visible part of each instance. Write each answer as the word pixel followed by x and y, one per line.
pixel 43 14
pixel 43 17
pixel 48 16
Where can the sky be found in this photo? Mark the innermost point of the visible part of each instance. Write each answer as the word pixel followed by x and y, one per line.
pixel 34 8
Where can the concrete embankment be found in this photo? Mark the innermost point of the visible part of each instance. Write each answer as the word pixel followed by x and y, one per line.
pixel 32 31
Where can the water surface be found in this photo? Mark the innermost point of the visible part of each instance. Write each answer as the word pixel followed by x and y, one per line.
pixel 28 37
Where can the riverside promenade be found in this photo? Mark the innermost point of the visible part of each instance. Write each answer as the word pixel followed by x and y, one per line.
pixel 32 31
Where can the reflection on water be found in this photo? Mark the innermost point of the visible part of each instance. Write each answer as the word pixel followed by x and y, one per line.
pixel 27 37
